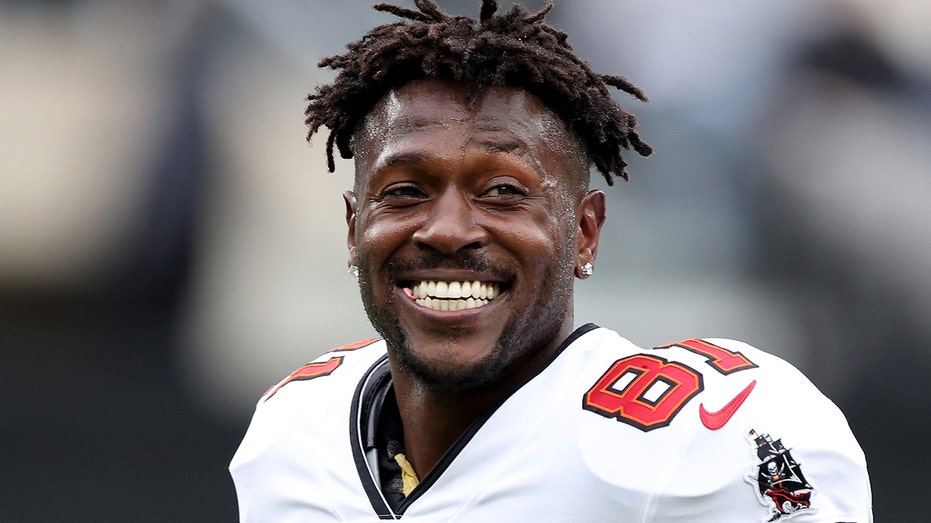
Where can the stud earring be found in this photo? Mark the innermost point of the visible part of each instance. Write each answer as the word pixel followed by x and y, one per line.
pixel 354 271
pixel 587 269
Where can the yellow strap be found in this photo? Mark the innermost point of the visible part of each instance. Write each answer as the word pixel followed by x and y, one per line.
pixel 408 474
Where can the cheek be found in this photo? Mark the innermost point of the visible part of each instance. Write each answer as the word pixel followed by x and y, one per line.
pixel 373 244
pixel 553 231
pixel 380 235
pixel 546 243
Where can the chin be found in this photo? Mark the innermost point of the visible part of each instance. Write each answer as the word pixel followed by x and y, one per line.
pixel 444 371
pixel 456 379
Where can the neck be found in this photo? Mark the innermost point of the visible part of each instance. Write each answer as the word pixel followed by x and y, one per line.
pixel 433 419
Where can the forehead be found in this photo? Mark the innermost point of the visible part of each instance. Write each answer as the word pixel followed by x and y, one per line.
pixel 431 102
pixel 438 117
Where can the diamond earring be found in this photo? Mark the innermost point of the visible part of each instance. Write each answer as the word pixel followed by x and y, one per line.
pixel 587 269
pixel 354 271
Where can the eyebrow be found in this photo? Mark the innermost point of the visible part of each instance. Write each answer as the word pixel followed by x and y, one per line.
pixel 405 158
pixel 502 146
pixel 413 157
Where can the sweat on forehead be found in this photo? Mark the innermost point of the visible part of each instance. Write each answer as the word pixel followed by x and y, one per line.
pixel 407 120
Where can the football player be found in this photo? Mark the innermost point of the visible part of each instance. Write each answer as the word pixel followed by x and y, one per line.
pixel 469 219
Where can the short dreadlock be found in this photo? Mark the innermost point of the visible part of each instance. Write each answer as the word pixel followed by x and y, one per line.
pixel 516 49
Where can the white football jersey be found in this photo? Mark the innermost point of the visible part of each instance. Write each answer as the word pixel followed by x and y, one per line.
pixel 701 431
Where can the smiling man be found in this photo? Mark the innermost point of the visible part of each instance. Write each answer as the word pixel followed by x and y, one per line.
pixel 469 219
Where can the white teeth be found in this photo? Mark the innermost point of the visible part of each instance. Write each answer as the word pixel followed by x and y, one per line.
pixel 451 305
pixel 454 295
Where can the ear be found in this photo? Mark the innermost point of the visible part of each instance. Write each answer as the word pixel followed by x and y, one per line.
pixel 590 217
pixel 350 199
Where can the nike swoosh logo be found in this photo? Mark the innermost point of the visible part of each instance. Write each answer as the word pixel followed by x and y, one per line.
pixel 716 420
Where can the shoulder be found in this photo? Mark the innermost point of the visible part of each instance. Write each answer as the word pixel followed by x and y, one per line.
pixel 720 412
pixel 317 390
pixel 676 373
pixel 297 439
pixel 344 363
pixel 709 384
pixel 651 389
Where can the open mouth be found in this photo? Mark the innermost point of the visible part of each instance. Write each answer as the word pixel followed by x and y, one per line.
pixel 452 295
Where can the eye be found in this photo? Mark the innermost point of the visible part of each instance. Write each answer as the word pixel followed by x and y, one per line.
pixel 503 190
pixel 405 191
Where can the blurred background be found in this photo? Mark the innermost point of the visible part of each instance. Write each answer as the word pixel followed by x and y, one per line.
pixel 170 246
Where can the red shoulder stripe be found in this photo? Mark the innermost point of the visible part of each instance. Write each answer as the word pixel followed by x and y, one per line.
pixel 316 370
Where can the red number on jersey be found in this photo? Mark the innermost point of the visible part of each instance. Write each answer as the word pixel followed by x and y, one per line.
pixel 648 391
pixel 316 370
pixel 644 391
pixel 356 345
pixel 723 360
pixel 308 372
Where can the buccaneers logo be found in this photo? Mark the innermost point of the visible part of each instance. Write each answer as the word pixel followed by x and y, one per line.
pixel 781 486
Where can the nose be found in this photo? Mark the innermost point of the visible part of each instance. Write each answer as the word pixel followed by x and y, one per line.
pixel 451 225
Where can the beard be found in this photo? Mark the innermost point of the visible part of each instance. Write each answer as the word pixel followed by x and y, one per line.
pixel 529 330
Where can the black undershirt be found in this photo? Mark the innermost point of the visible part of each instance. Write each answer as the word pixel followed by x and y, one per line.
pixel 389 441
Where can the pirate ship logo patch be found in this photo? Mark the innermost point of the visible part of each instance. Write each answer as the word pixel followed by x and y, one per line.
pixel 780 484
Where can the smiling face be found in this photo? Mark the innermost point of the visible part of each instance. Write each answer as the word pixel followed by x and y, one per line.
pixel 467 223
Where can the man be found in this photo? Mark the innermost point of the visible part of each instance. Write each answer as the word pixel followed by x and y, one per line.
pixel 469 218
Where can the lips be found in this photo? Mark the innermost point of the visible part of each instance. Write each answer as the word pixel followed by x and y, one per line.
pixel 453 295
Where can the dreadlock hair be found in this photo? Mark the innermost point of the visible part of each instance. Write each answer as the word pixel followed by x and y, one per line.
pixel 516 49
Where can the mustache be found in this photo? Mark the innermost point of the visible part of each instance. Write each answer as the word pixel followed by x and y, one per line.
pixel 463 260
